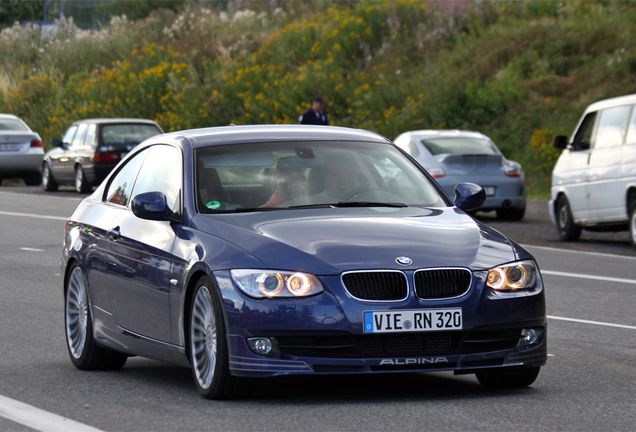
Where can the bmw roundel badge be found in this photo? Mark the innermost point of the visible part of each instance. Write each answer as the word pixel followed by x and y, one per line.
pixel 404 260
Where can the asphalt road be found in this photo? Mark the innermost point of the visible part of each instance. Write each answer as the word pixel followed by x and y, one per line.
pixel 588 384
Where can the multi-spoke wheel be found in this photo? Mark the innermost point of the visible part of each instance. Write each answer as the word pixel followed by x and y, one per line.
pixel 208 346
pixel 48 182
pixel 85 353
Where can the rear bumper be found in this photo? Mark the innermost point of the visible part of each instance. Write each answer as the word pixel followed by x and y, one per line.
pixel 17 164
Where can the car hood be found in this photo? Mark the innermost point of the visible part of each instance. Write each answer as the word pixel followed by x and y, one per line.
pixel 330 241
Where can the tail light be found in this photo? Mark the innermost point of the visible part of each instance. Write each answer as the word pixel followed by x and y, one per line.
pixel 37 143
pixel 512 169
pixel 106 157
pixel 436 172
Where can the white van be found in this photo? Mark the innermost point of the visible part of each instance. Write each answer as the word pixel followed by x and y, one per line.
pixel 594 180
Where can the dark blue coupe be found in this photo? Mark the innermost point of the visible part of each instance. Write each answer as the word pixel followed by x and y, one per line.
pixel 260 251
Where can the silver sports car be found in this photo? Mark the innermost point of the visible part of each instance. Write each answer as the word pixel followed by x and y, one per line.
pixel 453 157
pixel 21 150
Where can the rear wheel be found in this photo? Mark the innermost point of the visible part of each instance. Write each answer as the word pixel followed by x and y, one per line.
pixel 511 214
pixel 81 183
pixel 568 231
pixel 513 377
pixel 84 352
pixel 48 182
pixel 208 346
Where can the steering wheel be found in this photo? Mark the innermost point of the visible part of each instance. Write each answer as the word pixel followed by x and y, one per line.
pixel 362 189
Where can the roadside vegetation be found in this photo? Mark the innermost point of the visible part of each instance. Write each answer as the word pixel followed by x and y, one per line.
pixel 519 72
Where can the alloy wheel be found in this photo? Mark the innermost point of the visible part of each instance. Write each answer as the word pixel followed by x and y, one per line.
pixel 76 313
pixel 203 337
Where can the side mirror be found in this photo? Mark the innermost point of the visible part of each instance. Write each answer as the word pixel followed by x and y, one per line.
pixel 151 206
pixel 469 196
pixel 56 143
pixel 560 142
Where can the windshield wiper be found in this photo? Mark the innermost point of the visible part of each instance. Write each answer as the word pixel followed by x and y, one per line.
pixel 368 204
pixel 310 206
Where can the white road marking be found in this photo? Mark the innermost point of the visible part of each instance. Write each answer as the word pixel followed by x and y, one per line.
pixel 33 215
pixel 31 249
pixel 38 419
pixel 584 276
pixel 580 252
pixel 592 322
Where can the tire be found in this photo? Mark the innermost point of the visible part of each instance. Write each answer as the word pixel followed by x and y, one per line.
pixel 632 221
pixel 48 182
pixel 565 224
pixel 82 348
pixel 81 183
pixel 514 377
pixel 32 179
pixel 207 345
pixel 511 214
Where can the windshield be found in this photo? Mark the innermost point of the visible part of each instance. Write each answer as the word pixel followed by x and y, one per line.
pixel 267 176
pixel 459 145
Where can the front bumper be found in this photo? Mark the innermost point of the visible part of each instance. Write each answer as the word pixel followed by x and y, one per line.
pixel 324 334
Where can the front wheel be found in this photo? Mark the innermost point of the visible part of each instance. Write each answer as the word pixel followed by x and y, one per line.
pixel 84 352
pixel 48 182
pixel 568 231
pixel 208 346
pixel 513 377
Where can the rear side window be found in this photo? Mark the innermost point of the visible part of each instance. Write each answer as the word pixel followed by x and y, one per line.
pixel 90 134
pixel 611 127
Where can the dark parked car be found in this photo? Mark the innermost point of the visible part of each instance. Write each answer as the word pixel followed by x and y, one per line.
pixel 90 150
pixel 262 251
pixel 21 150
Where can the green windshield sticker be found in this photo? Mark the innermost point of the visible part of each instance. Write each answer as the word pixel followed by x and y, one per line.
pixel 213 205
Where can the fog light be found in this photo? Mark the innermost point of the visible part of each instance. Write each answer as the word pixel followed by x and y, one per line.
pixel 528 337
pixel 263 346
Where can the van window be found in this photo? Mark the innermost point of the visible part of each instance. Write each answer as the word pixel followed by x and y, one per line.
pixel 583 137
pixel 611 127
pixel 631 130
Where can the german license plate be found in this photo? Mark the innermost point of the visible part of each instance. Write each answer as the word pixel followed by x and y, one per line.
pixel 490 190
pixel 9 147
pixel 419 320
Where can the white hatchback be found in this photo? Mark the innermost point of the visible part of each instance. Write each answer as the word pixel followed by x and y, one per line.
pixel 21 150
pixel 594 180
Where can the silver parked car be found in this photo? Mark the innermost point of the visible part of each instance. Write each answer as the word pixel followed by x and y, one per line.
pixel 453 157
pixel 21 150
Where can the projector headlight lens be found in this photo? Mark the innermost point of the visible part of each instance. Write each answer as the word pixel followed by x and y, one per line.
pixel 264 283
pixel 514 276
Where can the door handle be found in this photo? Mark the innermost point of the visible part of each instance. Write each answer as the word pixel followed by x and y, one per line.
pixel 114 232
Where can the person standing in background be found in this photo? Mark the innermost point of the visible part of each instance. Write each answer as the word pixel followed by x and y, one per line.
pixel 316 115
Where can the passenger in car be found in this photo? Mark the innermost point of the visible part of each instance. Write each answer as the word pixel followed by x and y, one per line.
pixel 287 184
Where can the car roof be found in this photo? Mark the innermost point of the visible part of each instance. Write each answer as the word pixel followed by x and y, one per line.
pixel 608 103
pixel 115 120
pixel 272 133
pixel 446 133
pixel 11 116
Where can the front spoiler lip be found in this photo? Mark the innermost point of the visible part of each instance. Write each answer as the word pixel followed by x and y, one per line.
pixel 244 363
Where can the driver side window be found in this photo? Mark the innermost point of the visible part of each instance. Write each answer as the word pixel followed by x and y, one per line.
pixel 583 137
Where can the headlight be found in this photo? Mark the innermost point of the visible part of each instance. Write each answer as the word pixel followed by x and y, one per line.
pixel 261 283
pixel 515 276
